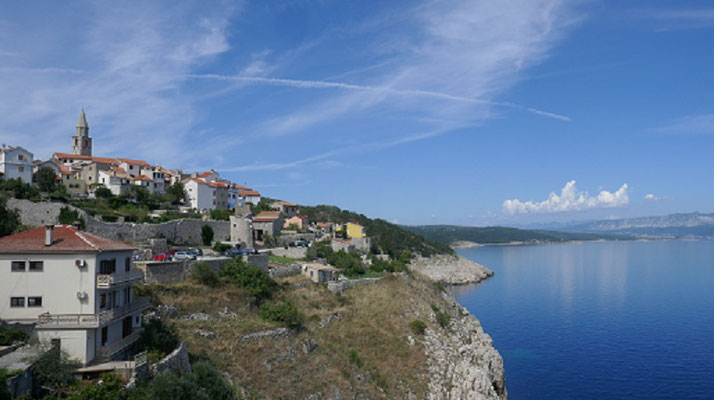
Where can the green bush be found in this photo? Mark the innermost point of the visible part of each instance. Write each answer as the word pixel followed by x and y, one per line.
pixel 67 216
pixel 354 358
pixel 45 178
pixel 9 336
pixel 418 326
pixel 210 378
pixel 158 336
pixel 249 277
pixel 19 190
pixel 442 318
pixel 221 215
pixel 103 192
pixel 221 247
pixel 203 274
pixel 110 388
pixel 109 218
pixel 4 393
pixel 206 235
pixel 54 369
pixel 284 313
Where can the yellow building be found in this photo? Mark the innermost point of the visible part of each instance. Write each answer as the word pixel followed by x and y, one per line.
pixel 355 230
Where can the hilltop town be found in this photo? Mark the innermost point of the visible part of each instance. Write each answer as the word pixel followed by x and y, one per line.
pixel 116 270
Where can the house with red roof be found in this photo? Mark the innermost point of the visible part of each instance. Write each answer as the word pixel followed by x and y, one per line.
pixel 300 221
pixel 249 196
pixel 267 223
pixel 286 207
pixel 75 287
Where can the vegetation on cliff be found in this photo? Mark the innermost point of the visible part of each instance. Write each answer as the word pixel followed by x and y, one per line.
pixel 386 237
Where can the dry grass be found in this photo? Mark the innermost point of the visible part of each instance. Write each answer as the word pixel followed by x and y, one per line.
pixel 374 324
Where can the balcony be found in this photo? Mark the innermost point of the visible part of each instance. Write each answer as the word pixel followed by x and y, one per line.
pixel 106 281
pixel 89 321
pixel 105 353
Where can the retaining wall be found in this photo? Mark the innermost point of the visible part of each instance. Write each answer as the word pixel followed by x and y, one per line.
pixel 292 252
pixel 341 286
pixel 177 362
pixel 176 271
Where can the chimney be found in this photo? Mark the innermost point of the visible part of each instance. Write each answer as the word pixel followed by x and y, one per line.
pixel 49 234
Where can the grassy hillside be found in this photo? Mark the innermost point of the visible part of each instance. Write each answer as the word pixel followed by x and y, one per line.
pixel 449 234
pixel 362 352
pixel 387 237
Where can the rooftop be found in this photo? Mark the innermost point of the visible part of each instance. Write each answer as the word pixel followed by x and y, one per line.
pixel 66 239
pixel 248 193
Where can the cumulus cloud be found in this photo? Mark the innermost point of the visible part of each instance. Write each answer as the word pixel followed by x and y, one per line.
pixel 570 199
pixel 650 196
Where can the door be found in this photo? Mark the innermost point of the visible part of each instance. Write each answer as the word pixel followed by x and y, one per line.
pixel 126 327
pixel 105 335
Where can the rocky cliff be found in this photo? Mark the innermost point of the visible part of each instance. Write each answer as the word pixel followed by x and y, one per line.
pixel 450 270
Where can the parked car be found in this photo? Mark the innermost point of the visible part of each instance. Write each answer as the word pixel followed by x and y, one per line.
pixel 299 243
pixel 197 252
pixel 240 252
pixel 184 255
pixel 162 257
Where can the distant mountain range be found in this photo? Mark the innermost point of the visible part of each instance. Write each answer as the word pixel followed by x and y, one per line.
pixel 452 234
pixel 674 226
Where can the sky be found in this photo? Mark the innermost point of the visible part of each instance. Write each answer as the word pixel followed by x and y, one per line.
pixel 516 112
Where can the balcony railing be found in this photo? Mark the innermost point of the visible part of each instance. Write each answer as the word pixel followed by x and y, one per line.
pixel 105 281
pixel 105 353
pixel 91 320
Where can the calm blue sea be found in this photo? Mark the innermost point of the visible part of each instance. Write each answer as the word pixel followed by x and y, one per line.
pixel 604 320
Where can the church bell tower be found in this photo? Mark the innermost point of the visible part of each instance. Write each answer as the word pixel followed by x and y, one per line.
pixel 81 142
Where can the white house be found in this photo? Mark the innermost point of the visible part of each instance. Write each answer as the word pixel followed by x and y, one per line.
pixel 16 162
pixel 116 179
pixel 75 287
pixel 250 196
pixel 158 179
pixel 199 195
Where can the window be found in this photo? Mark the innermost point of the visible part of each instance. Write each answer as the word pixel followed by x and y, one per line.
pixel 17 266
pixel 20 169
pixel 34 301
pixel 107 267
pixel 20 157
pixel 37 266
pixel 17 302
pixel 127 264
pixel 102 301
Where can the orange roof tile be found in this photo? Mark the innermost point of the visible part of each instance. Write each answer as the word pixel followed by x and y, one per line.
pixel 142 178
pixel 66 239
pixel 205 174
pixel 248 193
pixel 135 162
pixel 286 203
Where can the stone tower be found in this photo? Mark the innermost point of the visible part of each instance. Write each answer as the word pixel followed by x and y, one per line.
pixel 81 142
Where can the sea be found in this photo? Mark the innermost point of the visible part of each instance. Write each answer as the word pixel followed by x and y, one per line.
pixel 599 320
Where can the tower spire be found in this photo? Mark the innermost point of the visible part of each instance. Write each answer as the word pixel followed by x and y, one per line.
pixel 81 142
pixel 82 121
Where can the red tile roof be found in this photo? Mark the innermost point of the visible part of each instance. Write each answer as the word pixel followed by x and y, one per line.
pixel 205 174
pixel 267 216
pixel 286 203
pixel 140 163
pixel 248 193
pixel 142 178
pixel 237 186
pixel 67 239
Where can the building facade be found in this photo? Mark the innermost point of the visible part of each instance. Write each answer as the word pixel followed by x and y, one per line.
pixel 81 142
pixel 75 287
pixel 16 163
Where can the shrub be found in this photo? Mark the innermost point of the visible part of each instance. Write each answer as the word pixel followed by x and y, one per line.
pixel 354 358
pixel 158 336
pixel 284 313
pixel 54 369
pixel 221 215
pixel 442 318
pixel 418 326
pixel 4 393
pixel 9 219
pixel 45 178
pixel 252 278
pixel 221 247
pixel 109 218
pixel 9 336
pixel 103 192
pixel 110 388
pixel 176 193
pixel 168 385
pixel 67 216
pixel 206 235
pixel 203 274
pixel 210 378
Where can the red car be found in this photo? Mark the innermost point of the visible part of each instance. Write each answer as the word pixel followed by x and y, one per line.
pixel 162 257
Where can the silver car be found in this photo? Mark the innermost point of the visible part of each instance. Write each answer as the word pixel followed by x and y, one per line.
pixel 184 255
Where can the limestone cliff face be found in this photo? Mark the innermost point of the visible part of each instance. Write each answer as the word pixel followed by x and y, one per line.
pixel 450 270
pixel 462 362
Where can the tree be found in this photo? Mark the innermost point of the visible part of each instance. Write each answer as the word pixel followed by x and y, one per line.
pixel 9 219
pixel 67 216
pixel 206 235
pixel 53 370
pixel 103 192
pixel 4 393
pixel 176 193
pixel 46 179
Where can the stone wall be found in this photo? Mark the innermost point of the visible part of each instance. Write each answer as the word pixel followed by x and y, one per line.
pixel 259 260
pixel 177 361
pixel 292 252
pixel 176 271
pixel 284 240
pixel 182 231
pixel 341 286
pixel 289 270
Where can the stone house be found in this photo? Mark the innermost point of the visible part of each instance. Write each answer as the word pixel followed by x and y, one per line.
pixel 70 178
pixel 297 220
pixel 267 223
pixel 320 273
pixel 115 179
pixel 288 209
pixel 342 245
pixel 75 287
pixel 16 163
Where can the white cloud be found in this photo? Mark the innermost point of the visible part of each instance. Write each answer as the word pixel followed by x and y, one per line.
pixel 650 196
pixel 570 199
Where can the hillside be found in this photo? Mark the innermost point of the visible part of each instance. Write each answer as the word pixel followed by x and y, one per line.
pixel 450 234
pixel 363 343
pixel 387 237
pixel 683 225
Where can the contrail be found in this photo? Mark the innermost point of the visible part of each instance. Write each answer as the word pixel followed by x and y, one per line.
pixel 311 84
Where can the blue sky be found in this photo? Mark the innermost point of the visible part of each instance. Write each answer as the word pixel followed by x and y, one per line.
pixel 414 111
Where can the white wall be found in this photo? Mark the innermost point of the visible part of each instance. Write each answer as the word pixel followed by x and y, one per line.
pixel 75 342
pixel 11 165
pixel 200 196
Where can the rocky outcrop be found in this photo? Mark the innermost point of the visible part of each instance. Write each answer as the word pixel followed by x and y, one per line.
pixel 273 334
pixel 450 270
pixel 462 362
